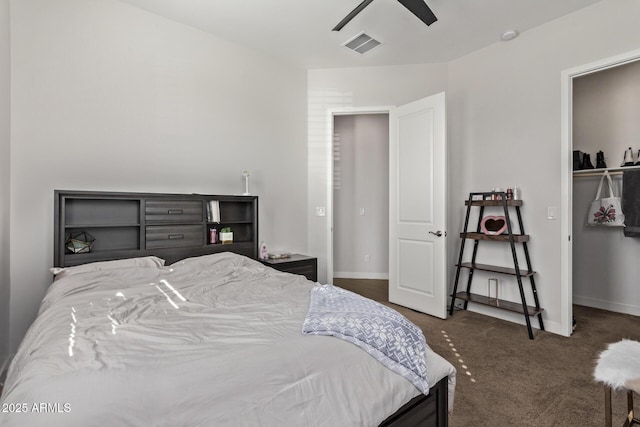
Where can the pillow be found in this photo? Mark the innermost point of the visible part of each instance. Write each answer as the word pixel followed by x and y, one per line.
pixel 210 259
pixel 148 261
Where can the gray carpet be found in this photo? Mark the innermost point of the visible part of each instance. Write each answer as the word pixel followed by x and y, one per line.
pixel 506 379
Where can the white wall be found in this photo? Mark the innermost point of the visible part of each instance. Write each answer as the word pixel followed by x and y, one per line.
pixel 606 107
pixel 361 196
pixel 504 128
pixel 345 88
pixel 5 118
pixel 109 97
pixel 504 113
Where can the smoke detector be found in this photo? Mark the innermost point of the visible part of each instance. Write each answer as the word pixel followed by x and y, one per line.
pixel 509 35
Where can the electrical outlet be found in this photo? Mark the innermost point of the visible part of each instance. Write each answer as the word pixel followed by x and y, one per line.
pixel 320 211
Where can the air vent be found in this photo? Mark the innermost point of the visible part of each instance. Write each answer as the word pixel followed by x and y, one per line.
pixel 362 43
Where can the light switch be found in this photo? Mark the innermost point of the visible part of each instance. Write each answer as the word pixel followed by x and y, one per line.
pixel 361 211
pixel 552 212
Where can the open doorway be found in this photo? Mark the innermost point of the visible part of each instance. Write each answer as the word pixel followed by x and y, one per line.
pixel 573 234
pixel 360 197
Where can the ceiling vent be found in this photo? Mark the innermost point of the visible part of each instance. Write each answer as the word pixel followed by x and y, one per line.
pixel 362 43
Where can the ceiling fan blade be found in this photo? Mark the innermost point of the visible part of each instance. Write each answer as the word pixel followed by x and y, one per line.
pixel 352 15
pixel 421 10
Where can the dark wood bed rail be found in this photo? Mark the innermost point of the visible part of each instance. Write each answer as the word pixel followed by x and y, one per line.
pixel 431 410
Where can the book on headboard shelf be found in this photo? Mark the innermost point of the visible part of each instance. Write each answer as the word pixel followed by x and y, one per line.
pixel 213 211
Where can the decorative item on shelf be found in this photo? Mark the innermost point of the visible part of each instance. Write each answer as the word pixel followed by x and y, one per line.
pixel 79 242
pixel 493 225
pixel 246 183
pixel 263 251
pixel 226 236
pixel 492 196
pixel 628 158
pixel 516 193
pixel 213 235
pixel 279 255
pixel 509 193
pixel 496 196
pixel 600 163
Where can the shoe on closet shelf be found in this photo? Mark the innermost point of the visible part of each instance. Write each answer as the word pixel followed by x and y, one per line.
pixel 637 163
pixel 586 162
pixel 600 163
pixel 628 158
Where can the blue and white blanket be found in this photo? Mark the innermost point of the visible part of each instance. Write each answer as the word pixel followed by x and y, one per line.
pixel 383 332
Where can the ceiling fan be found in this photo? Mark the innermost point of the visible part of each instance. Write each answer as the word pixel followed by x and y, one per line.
pixel 417 7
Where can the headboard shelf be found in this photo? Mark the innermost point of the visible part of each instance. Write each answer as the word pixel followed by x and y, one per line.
pixel 104 225
pixel 170 226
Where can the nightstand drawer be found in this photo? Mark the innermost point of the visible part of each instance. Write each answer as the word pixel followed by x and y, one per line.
pixel 173 236
pixel 173 210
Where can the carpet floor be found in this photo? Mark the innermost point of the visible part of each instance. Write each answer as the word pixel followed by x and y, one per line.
pixel 506 379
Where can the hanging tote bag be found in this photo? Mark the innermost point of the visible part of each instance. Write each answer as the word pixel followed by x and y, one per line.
pixel 606 210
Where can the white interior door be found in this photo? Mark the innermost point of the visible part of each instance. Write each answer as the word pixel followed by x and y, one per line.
pixel 417 206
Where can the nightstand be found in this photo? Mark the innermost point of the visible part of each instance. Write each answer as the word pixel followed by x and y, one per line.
pixel 296 264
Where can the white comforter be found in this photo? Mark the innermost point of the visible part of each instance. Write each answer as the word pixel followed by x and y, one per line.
pixel 209 341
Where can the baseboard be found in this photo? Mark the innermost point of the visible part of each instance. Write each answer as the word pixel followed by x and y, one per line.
pixel 607 305
pixel 354 275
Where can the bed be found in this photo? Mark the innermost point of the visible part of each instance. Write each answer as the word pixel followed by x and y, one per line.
pixel 209 340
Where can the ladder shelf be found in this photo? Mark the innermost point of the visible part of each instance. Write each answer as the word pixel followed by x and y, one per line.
pixel 497 199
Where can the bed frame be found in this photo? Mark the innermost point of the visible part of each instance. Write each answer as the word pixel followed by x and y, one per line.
pixel 177 226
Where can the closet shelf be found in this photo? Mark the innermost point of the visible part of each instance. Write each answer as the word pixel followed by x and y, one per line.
pixel 602 170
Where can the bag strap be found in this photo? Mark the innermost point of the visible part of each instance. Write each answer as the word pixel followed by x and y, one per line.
pixel 600 186
pixel 611 193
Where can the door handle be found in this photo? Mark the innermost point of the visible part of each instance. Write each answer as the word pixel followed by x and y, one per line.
pixel 437 233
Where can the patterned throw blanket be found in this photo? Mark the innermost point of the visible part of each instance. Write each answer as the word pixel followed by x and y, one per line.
pixel 383 332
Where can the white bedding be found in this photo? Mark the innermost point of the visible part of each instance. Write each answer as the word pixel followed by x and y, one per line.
pixel 209 341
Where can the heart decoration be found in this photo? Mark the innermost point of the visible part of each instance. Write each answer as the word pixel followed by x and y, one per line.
pixel 493 224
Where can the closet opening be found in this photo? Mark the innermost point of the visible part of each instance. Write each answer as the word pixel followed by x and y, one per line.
pixel 601 103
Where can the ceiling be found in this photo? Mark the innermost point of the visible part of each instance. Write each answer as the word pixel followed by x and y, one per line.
pixel 299 31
